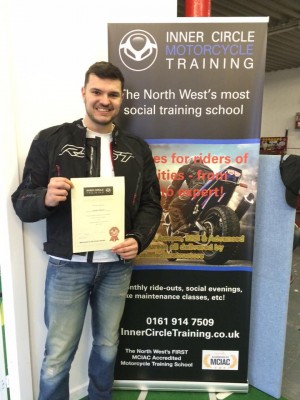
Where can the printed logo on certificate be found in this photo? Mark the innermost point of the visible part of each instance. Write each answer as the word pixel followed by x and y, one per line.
pixel 98 213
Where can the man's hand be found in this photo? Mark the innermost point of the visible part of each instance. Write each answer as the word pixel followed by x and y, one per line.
pixel 127 249
pixel 57 191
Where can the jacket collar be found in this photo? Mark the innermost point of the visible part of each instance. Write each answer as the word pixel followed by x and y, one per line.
pixel 115 132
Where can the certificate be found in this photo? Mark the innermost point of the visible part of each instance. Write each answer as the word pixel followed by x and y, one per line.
pixel 98 213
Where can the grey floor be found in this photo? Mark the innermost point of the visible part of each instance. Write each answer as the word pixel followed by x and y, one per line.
pixel 291 372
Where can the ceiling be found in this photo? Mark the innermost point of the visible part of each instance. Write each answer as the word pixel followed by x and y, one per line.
pixel 283 45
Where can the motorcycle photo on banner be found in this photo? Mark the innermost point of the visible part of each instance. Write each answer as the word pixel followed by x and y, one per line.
pixel 203 210
pixel 193 90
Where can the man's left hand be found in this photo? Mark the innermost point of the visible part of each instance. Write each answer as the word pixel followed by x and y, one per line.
pixel 127 249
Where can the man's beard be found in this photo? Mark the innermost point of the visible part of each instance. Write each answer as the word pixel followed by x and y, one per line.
pixel 97 122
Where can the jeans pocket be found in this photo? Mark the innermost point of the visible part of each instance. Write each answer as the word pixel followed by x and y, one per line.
pixel 128 263
pixel 57 263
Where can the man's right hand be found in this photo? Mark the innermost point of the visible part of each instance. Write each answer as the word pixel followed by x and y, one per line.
pixel 57 191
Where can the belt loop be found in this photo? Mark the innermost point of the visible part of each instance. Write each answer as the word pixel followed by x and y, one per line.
pixel 90 255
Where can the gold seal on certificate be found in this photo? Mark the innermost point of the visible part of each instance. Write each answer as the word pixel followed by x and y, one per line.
pixel 98 213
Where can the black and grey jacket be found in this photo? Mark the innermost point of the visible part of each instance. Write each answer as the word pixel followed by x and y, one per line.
pixel 62 150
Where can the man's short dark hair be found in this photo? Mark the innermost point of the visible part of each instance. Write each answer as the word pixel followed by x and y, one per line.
pixel 104 70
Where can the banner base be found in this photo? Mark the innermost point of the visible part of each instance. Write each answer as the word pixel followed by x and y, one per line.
pixel 184 386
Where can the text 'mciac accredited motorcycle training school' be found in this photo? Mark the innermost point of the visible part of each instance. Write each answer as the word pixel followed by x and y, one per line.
pixel 194 92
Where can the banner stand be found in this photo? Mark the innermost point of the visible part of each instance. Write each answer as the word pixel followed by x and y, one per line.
pixel 182 386
pixel 187 317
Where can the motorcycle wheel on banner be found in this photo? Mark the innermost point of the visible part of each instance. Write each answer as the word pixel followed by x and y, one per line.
pixel 212 217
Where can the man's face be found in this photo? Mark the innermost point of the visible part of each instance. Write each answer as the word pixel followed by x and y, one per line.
pixel 102 99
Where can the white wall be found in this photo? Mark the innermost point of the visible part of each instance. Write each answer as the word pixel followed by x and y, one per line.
pixel 280 104
pixel 11 238
pixel 48 46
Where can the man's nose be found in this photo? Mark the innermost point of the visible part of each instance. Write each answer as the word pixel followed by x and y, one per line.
pixel 104 99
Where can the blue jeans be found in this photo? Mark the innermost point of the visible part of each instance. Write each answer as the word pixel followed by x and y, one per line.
pixel 69 287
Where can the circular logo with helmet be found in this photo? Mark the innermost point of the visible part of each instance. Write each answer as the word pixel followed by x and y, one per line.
pixel 138 50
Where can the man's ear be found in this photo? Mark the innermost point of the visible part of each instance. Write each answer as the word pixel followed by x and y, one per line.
pixel 83 92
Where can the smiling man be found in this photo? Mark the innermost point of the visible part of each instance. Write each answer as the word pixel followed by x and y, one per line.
pixel 102 99
pixel 90 147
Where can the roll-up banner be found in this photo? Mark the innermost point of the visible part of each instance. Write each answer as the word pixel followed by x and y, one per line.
pixel 194 92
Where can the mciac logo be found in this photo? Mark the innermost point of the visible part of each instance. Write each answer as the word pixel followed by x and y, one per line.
pixel 138 50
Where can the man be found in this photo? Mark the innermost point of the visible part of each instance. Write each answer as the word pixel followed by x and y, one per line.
pixel 90 147
pixel 194 174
